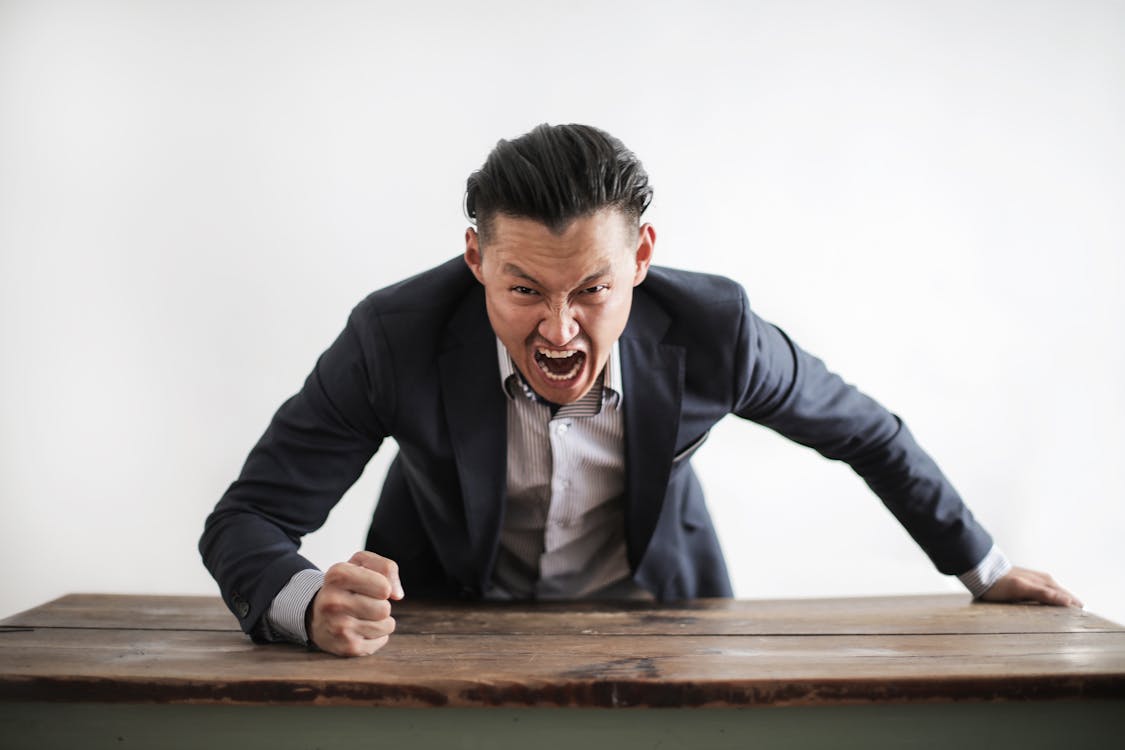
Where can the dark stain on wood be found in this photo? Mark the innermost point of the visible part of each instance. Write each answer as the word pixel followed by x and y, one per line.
pixel 243 692
pixel 117 649
pixel 644 667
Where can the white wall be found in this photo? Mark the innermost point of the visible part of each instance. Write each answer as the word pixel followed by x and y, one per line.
pixel 928 195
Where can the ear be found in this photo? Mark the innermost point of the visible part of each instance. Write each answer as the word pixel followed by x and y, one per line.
pixel 473 258
pixel 646 242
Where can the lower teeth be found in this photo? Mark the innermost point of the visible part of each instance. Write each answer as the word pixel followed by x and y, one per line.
pixel 567 376
pixel 560 376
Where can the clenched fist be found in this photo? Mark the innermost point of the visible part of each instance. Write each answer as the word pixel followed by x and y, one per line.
pixel 351 614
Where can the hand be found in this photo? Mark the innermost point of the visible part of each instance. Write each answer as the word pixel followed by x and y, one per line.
pixel 351 614
pixel 1023 585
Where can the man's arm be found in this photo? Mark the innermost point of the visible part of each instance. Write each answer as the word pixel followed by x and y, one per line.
pixel 315 447
pixel 788 390
pixel 345 611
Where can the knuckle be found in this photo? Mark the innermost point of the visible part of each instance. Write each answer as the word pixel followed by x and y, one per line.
pixel 336 575
pixel 329 597
pixel 331 606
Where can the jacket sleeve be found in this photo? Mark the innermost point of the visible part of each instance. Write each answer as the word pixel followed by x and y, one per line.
pixel 782 387
pixel 315 447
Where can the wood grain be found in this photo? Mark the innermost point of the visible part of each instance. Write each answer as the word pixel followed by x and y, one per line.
pixel 701 653
pixel 931 614
pixel 201 666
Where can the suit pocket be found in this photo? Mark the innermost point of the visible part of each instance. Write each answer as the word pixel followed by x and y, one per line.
pixel 687 452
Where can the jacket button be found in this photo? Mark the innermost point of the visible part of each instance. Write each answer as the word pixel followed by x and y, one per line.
pixel 240 605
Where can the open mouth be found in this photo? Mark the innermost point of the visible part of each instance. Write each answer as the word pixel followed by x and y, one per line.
pixel 559 366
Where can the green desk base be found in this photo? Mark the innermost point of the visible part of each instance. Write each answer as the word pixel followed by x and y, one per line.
pixel 1023 725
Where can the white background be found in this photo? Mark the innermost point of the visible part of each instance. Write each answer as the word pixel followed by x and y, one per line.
pixel 929 196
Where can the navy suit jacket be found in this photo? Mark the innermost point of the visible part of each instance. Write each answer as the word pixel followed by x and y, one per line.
pixel 417 362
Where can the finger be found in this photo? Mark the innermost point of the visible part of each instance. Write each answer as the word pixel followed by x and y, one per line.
pixel 382 565
pixel 372 629
pixel 1071 599
pixel 356 579
pixel 345 635
pixel 1042 587
pixel 354 645
pixel 1046 595
pixel 347 628
pixel 338 602
pixel 1062 596
pixel 364 607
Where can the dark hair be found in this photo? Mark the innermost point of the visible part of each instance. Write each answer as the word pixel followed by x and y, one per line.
pixel 555 174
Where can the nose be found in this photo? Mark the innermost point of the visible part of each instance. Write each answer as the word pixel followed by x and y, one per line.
pixel 559 327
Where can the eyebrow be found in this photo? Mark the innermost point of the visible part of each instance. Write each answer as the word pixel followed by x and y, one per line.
pixel 514 270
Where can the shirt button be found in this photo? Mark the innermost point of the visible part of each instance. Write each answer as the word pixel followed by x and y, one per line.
pixel 562 428
pixel 241 606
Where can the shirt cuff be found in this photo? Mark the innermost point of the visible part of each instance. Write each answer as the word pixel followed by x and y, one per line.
pixel 285 620
pixel 988 571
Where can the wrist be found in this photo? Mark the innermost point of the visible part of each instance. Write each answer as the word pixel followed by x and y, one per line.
pixel 988 571
pixel 308 625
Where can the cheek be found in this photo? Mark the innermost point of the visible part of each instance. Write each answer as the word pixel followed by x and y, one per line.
pixel 605 322
pixel 510 321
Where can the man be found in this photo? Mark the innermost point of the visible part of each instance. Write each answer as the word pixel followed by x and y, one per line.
pixel 546 393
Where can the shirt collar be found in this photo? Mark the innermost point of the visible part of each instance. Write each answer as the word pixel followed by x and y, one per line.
pixel 610 376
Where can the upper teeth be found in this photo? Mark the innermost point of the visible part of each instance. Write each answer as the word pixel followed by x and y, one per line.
pixel 557 355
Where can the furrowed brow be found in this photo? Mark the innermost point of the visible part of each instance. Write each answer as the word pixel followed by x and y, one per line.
pixel 603 271
pixel 513 270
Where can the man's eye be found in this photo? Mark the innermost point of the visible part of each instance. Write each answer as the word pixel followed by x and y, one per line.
pixel 523 290
pixel 595 289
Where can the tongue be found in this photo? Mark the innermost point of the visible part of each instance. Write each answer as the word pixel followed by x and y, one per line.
pixel 561 365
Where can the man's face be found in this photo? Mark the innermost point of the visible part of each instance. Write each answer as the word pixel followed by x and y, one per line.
pixel 558 302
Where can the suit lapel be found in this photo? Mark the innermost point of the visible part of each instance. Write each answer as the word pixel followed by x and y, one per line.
pixel 653 375
pixel 476 414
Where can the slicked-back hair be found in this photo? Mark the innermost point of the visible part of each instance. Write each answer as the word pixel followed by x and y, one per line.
pixel 555 174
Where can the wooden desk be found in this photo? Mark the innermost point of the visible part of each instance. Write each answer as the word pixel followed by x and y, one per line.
pixel 100 670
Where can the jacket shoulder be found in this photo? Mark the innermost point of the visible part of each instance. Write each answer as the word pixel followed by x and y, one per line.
pixel 430 293
pixel 690 294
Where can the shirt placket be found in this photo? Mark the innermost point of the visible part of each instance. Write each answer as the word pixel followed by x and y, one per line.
pixel 559 431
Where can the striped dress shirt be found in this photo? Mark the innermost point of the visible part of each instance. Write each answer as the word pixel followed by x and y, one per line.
pixel 563 530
